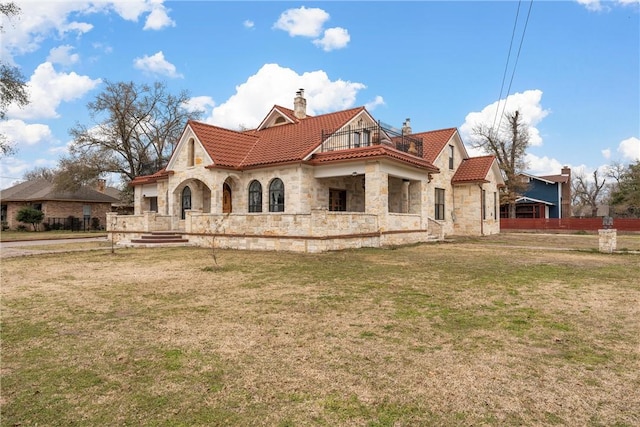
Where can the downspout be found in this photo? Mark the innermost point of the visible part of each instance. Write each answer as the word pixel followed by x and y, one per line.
pixel 482 209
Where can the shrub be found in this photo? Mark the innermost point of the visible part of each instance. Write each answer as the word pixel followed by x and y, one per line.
pixel 95 223
pixel 29 215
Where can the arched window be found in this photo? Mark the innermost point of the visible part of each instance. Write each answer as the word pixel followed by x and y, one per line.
pixel 255 196
pixel 186 200
pixel 190 152
pixel 276 196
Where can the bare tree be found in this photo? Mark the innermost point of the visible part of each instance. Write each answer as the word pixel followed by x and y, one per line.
pixel 13 88
pixel 509 145
pixel 588 193
pixel 135 129
pixel 40 172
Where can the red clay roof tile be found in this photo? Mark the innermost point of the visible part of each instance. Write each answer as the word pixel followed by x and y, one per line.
pixel 433 142
pixel 373 151
pixel 474 169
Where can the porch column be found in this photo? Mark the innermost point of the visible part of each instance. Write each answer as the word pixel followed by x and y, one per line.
pixel 405 196
pixel 376 196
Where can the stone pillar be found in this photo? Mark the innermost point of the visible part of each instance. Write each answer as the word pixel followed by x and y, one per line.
pixel 377 193
pixel 405 196
pixel 607 240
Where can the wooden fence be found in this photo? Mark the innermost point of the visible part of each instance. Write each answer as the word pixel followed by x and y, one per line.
pixel 567 224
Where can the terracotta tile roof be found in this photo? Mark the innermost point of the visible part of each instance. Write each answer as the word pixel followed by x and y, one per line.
pixel 42 190
pixel 149 179
pixel 372 151
pixel 433 142
pixel 274 145
pixel 473 169
pixel 226 147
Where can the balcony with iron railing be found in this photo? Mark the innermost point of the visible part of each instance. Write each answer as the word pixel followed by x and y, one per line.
pixel 357 137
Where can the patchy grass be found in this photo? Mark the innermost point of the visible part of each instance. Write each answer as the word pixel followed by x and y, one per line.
pixel 470 333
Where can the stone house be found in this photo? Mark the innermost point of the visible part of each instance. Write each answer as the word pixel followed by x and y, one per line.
pixel 315 183
pixel 58 206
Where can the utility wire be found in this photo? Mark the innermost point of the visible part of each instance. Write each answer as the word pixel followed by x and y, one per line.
pixel 506 65
pixel 524 30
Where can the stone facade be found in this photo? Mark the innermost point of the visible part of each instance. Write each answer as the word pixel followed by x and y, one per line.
pixel 354 202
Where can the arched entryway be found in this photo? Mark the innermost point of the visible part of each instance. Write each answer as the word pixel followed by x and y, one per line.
pixel 226 198
pixel 186 201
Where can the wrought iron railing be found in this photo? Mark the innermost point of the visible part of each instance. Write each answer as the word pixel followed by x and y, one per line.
pixel 356 137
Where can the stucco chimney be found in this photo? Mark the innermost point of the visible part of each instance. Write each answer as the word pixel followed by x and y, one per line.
pixel 300 105
pixel 406 127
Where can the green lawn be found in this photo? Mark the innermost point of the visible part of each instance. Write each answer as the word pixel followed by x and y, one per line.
pixel 474 333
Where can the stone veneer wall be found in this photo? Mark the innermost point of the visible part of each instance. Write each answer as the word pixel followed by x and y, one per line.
pixel 318 231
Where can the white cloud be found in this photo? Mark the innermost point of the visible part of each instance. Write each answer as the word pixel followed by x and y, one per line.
pixel 542 165
pixel 13 169
pixel 302 21
pixel 275 84
pixel 158 18
pixel 606 153
pixel 527 103
pixel 248 24
pixel 48 88
pixel 598 6
pixel 39 20
pixel 19 132
pixel 156 64
pixel 202 103
pixel 62 55
pixel 334 38
pixel 630 149
pixel 378 100
pixel 593 5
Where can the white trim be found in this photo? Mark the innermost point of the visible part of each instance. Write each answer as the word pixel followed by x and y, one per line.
pixel 529 199
pixel 270 118
pixel 538 178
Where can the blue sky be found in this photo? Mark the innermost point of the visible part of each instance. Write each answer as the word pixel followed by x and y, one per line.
pixel 441 64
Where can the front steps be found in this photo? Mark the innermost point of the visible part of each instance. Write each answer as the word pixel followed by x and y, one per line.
pixel 159 238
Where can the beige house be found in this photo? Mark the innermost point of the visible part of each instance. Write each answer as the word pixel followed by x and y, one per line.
pixel 315 183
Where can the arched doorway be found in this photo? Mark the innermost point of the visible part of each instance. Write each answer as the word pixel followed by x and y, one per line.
pixel 226 198
pixel 186 200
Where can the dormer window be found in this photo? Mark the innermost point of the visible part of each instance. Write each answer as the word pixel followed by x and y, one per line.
pixel 279 121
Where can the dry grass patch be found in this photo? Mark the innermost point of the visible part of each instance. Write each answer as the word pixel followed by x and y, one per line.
pixel 443 334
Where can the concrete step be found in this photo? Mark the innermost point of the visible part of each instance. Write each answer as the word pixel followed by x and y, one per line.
pixel 160 237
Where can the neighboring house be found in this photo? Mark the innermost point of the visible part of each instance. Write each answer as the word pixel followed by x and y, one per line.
pixel 315 183
pixel 546 196
pixel 58 206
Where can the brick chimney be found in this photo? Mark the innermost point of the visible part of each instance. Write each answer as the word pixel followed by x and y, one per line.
pixel 100 185
pixel 300 105
pixel 566 193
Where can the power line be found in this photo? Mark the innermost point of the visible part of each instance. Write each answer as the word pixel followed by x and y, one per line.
pixel 524 30
pixel 506 65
